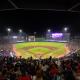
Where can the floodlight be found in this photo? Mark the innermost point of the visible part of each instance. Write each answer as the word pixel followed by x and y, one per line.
pixel 65 29
pixel 9 29
pixel 20 30
pixel 49 30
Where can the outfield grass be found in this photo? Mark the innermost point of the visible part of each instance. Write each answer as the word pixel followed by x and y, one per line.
pixel 36 51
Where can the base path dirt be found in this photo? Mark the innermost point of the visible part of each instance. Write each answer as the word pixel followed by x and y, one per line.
pixel 48 47
pixel 16 52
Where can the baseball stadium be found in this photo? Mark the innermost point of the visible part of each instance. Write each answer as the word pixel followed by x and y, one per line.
pixel 40 40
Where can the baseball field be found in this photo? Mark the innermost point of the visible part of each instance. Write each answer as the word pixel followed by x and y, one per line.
pixel 40 49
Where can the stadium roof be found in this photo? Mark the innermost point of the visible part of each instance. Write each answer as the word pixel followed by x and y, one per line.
pixel 55 5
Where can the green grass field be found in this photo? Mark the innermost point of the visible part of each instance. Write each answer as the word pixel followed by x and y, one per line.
pixel 40 49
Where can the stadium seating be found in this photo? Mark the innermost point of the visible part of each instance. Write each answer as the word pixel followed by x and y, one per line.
pixel 13 68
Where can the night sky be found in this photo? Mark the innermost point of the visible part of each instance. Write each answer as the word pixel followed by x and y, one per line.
pixel 39 21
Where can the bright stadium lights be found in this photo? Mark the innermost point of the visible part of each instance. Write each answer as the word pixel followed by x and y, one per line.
pixel 9 29
pixel 65 29
pixel 20 30
pixel 49 30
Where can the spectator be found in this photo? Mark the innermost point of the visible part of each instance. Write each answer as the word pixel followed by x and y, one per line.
pixel 24 77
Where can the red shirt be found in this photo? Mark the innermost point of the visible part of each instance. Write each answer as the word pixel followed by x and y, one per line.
pixel 54 71
pixel 68 66
pixel 25 78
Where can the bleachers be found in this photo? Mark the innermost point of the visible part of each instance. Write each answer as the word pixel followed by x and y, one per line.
pixel 41 69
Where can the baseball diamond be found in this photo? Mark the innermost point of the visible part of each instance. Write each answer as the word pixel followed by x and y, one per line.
pixel 40 49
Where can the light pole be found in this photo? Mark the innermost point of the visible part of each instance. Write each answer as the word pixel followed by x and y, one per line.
pixel 66 33
pixel 20 33
pixel 65 29
pixel 48 34
pixel 49 30
pixel 35 36
pixel 8 30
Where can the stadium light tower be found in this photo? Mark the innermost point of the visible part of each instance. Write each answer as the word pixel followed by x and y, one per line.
pixel 20 31
pixel 49 30
pixel 65 29
pixel 35 33
pixel 48 34
pixel 8 30
pixel 35 36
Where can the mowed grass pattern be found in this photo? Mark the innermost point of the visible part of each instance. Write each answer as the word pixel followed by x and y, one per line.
pixel 43 52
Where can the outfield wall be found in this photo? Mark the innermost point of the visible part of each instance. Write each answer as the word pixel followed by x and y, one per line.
pixel 42 39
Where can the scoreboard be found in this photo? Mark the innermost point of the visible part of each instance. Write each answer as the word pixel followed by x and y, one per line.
pixel 58 36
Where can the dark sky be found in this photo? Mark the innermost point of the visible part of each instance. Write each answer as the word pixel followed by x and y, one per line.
pixel 39 21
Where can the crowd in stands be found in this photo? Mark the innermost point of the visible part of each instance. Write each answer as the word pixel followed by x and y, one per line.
pixel 7 53
pixel 13 68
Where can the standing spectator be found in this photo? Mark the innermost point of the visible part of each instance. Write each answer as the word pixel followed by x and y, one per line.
pixel 54 72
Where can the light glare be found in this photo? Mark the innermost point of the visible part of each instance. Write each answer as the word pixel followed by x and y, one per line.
pixel 49 30
pixel 8 29
pixel 14 37
pixel 65 29
pixel 20 30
